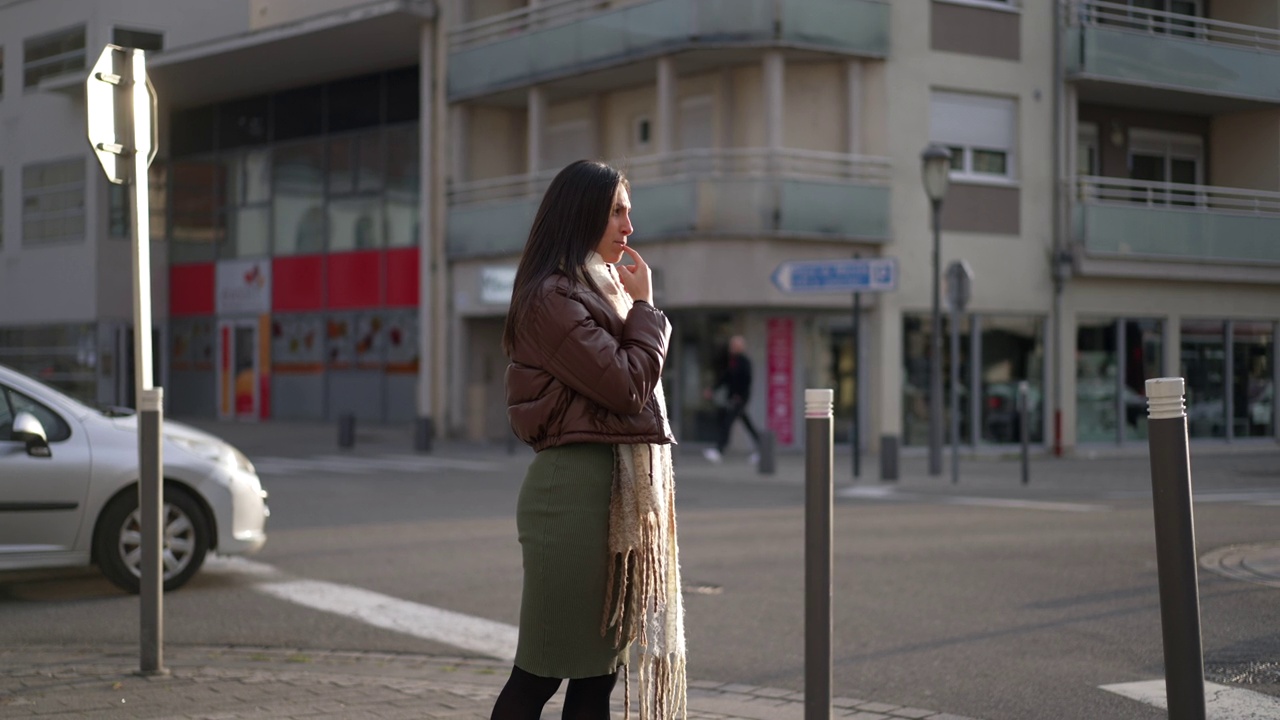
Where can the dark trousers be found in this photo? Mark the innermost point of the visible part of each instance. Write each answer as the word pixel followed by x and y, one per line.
pixel 728 415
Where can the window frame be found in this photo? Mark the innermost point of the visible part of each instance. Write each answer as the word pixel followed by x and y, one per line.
pixel 28 65
pixel 965 172
pixel 64 213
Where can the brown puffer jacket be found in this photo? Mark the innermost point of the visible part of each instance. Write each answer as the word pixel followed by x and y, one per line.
pixel 578 373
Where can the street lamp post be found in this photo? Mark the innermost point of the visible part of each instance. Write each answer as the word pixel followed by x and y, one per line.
pixel 936 167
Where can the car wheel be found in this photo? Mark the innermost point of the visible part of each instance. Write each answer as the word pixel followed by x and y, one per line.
pixel 184 537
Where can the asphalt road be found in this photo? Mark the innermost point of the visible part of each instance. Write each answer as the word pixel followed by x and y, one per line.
pixel 991 612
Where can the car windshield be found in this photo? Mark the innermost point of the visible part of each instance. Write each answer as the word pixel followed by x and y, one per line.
pixel 78 404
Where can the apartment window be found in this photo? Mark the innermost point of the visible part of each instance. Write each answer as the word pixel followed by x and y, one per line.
pixel 140 39
pixel 980 132
pixel 641 133
pixel 52 54
pixel 53 202
pixel 1162 157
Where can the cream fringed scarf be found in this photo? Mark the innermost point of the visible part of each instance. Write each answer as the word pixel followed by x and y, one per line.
pixel 645 606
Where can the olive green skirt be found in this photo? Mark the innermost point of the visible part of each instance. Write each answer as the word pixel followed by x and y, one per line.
pixel 563 521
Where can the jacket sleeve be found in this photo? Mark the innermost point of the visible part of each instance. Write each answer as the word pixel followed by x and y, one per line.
pixel 617 374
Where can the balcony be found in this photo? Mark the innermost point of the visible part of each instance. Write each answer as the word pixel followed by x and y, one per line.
pixel 741 192
pixel 1141 49
pixel 559 38
pixel 1133 219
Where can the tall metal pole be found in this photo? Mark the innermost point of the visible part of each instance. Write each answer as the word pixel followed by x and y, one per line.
pixel 817 553
pixel 955 395
pixel 855 442
pixel 1175 548
pixel 935 350
pixel 150 400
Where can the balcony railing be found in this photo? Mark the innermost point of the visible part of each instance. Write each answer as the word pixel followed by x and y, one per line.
pixel 567 37
pixel 1118 216
pixel 749 192
pixel 1119 42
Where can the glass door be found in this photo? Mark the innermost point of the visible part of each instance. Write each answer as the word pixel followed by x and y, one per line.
pixel 239 396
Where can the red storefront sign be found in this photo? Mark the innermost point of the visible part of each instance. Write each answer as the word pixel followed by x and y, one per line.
pixel 780 365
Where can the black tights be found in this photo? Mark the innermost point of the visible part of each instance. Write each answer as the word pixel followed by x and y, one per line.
pixel 524 695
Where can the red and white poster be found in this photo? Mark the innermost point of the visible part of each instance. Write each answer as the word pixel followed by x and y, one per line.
pixel 780 366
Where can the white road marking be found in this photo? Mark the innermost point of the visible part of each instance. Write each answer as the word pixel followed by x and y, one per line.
pixel 1221 702
pixel 1026 504
pixel 869 492
pixel 478 635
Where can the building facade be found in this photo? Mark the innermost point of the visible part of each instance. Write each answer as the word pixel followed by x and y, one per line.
pixel 339 230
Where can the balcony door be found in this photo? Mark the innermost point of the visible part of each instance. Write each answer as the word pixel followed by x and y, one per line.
pixel 1161 157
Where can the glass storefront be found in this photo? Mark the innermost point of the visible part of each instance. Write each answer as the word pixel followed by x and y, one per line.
pixel 1203 356
pixel 64 356
pixel 1253 358
pixel 1012 351
pixel 996 353
pixel 1096 380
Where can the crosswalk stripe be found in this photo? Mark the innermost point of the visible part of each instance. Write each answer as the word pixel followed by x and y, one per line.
pixel 467 632
pixel 1222 702
pixel 1026 504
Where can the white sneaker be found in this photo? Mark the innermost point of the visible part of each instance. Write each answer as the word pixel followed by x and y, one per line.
pixel 754 459
pixel 712 454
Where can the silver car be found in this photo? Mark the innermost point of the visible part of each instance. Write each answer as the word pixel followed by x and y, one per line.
pixel 69 489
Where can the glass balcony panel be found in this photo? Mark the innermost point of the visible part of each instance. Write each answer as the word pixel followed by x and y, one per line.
pixel 826 208
pixel 1162 232
pixel 664 210
pixel 490 56
pixel 491 228
pixel 1177 52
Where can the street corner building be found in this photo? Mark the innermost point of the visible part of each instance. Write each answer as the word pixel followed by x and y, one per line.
pixel 343 188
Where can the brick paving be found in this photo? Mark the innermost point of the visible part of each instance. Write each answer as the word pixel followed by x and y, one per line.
pixel 238 683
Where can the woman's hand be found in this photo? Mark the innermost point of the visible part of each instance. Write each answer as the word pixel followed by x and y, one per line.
pixel 636 279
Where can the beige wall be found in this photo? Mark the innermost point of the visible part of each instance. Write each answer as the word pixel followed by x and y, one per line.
pixel 495 142
pixel 1263 13
pixel 621 110
pixel 748 100
pixel 815 106
pixel 1246 150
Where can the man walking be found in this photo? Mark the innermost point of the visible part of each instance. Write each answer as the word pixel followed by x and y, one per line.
pixel 736 380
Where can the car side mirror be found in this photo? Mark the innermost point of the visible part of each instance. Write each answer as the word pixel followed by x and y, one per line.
pixel 27 429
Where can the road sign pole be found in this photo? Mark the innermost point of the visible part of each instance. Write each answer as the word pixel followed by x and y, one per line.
pixel 855 442
pixel 150 399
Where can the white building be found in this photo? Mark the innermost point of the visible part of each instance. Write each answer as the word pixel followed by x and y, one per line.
pixel 1115 189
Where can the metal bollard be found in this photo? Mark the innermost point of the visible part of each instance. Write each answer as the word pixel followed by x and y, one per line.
pixel 423 432
pixel 1024 433
pixel 766 465
pixel 818 484
pixel 1175 548
pixel 889 458
pixel 346 430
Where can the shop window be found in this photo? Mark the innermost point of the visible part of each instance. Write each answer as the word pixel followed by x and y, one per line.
pixel 197 189
pixel 402 186
pixel 916 335
pixel 244 122
pixel 1012 351
pixel 1253 362
pixel 297 113
pixel 355 103
pixel 1096 381
pixel 1203 356
pixel 1143 360
pixel 298 203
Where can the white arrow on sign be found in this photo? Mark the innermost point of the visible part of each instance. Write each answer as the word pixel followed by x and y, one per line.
pixel 844 276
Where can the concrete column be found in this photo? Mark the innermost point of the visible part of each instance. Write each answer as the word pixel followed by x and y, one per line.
pixel 853 107
pixel 665 122
pixel 459 151
pixel 535 128
pixel 774 99
pixel 426 217
pixel 728 110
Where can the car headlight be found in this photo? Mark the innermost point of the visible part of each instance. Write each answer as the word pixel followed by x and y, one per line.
pixel 217 452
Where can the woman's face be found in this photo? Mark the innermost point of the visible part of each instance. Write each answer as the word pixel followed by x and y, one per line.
pixel 619 227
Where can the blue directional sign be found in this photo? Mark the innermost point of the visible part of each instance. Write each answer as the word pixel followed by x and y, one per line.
pixel 845 276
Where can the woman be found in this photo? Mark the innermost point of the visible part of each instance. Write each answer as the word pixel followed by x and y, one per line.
pixel 596 513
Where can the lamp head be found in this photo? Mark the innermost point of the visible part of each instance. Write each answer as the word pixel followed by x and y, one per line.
pixel 935 164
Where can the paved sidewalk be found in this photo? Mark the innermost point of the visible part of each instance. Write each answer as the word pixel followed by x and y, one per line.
pixel 213 683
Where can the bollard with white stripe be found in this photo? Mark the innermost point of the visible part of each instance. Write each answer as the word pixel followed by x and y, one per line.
pixel 1175 548
pixel 817 553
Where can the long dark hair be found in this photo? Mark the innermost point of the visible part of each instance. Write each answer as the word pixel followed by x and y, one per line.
pixel 568 226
